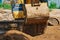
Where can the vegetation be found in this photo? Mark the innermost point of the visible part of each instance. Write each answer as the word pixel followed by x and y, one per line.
pixel 53 5
pixel 59 7
pixel 1 5
pixel 5 6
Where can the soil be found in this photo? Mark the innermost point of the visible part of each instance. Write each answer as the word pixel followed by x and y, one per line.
pixel 51 33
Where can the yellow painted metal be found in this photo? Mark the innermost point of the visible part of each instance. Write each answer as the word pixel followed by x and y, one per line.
pixel 20 1
pixel 18 14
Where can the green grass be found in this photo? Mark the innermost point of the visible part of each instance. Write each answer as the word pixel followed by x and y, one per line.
pixel 1 5
pixel 5 6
